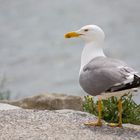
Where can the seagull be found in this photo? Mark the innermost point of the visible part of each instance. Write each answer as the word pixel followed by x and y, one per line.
pixel 100 75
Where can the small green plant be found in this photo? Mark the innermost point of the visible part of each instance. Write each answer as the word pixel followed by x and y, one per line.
pixel 4 92
pixel 130 113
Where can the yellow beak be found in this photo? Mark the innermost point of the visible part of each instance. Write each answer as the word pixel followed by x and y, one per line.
pixel 71 34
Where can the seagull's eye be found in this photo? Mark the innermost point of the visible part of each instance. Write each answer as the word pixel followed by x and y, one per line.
pixel 86 30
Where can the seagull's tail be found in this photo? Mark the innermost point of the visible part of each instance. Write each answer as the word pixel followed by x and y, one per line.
pixel 135 84
pixel 136 81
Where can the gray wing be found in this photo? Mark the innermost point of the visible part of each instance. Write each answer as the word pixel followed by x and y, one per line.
pixel 102 73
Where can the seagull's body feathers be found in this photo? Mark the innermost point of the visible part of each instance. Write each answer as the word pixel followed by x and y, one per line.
pixel 104 74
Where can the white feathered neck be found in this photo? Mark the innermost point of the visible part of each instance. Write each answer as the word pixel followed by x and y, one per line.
pixel 90 51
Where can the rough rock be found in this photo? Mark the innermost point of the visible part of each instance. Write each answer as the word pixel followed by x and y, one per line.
pixel 23 124
pixel 7 107
pixel 49 102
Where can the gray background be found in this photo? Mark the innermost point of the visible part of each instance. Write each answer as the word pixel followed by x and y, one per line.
pixel 34 56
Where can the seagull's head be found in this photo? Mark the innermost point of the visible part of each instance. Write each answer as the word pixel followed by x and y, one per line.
pixel 89 33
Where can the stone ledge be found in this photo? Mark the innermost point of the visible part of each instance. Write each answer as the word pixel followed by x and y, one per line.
pixel 26 124
pixel 49 101
pixel 7 107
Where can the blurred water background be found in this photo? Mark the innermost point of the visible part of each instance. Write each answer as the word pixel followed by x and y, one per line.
pixel 34 56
